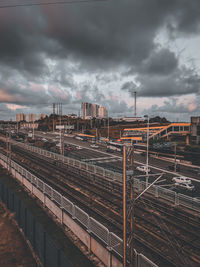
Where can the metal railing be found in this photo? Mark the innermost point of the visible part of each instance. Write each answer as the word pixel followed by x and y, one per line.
pixel 157 191
pixel 111 241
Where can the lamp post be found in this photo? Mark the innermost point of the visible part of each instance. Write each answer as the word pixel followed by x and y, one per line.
pixel 108 128
pixel 147 158
pixel 124 208
pixel 33 124
pixel 175 157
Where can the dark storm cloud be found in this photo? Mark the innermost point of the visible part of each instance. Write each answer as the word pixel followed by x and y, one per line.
pixel 162 62
pixel 105 32
pixel 184 19
pixel 95 38
pixel 33 95
pixel 180 82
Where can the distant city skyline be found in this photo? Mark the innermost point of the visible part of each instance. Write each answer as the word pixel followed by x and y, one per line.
pixel 90 110
pixel 29 117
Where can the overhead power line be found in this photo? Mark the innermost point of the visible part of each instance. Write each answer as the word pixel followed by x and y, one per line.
pixel 51 3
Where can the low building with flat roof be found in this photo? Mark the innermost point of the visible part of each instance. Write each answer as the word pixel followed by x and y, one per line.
pixel 195 130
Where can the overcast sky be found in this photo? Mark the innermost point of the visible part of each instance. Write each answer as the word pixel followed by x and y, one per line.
pixel 101 52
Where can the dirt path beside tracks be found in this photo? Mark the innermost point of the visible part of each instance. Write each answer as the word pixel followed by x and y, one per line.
pixel 14 250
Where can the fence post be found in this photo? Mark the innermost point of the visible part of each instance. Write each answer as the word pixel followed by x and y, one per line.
pixel 95 169
pixel 86 166
pixel 61 207
pixel 73 213
pixel 176 199
pixel 156 191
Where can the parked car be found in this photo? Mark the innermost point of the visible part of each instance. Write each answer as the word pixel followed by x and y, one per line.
pixel 58 145
pixel 94 146
pixel 79 147
pixel 181 180
pixel 143 169
pixel 44 139
pixel 68 148
pixel 186 186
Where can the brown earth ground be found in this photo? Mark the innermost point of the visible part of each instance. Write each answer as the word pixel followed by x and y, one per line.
pixel 13 248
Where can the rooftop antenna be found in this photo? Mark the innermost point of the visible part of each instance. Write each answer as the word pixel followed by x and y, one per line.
pixel 135 113
pixel 53 108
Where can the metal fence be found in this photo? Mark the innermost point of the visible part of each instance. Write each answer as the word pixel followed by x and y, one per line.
pixel 113 242
pixel 160 192
pixel 49 252
pixel 157 191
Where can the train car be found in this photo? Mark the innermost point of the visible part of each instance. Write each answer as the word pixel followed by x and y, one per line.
pixel 85 137
pixel 112 146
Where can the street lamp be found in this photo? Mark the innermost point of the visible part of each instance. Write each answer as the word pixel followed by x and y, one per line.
pixel 147 158
pixel 108 129
pixel 175 157
pixel 33 133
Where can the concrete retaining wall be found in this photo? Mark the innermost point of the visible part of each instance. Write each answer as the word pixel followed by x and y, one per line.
pixel 53 208
pixel 90 242
pixel 27 184
pixel 82 234
pixel 103 254
pixel 38 194
pixel 19 177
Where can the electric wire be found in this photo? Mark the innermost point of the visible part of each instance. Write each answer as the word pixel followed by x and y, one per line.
pixel 159 224
pixel 50 3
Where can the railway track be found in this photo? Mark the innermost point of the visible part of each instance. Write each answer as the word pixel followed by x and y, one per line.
pixel 147 232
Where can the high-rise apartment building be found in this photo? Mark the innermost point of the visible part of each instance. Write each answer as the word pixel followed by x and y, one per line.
pixel 195 130
pixel 95 110
pixel 103 113
pixel 31 117
pixel 20 117
pixel 86 110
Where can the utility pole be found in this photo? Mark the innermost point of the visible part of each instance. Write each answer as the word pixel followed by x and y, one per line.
pixel 33 124
pixel 62 143
pixel 175 157
pixel 8 148
pixel 124 209
pixel 147 158
pixel 108 129
pixel 17 127
pixel 96 135
pixel 128 204
pixel 135 113
pixel 128 164
pixel 60 132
